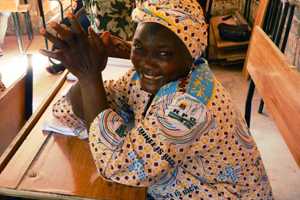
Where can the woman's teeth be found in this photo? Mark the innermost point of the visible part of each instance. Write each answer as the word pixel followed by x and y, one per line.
pixel 152 77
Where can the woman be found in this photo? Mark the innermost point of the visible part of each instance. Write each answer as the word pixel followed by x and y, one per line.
pixel 167 124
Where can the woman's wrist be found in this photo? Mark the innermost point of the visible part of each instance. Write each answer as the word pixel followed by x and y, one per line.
pixel 93 97
pixel 90 80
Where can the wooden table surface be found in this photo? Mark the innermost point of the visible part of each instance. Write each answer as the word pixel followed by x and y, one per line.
pixel 53 166
pixel 279 85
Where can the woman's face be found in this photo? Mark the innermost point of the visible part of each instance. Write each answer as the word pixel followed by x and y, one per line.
pixel 159 56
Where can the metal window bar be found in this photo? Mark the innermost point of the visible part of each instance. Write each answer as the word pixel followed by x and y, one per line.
pixel 247 9
pixel 278 35
pixel 268 15
pixel 288 27
pixel 276 21
pixel 273 16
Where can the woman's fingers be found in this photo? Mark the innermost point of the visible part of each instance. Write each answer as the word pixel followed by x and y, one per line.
pixel 106 38
pixel 64 33
pixel 55 40
pixel 57 54
pixel 75 26
pixel 96 40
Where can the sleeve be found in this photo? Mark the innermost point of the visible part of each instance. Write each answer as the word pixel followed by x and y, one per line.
pixel 152 150
pixel 116 92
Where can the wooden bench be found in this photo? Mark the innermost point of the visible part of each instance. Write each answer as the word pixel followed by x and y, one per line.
pixel 278 84
pixel 15 107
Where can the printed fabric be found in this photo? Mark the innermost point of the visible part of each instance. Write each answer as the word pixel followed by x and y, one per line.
pixel 189 142
pixel 111 15
pixel 184 17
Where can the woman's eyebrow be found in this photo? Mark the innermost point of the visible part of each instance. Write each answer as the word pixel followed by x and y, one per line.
pixel 136 41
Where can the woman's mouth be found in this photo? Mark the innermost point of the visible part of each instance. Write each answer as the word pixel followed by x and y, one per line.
pixel 151 77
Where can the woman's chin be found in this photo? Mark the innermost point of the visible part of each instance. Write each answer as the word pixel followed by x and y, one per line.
pixel 150 90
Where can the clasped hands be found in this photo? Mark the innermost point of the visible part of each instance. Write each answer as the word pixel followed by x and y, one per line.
pixel 83 54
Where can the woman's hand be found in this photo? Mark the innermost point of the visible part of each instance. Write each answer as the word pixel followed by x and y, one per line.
pixel 117 47
pixel 83 54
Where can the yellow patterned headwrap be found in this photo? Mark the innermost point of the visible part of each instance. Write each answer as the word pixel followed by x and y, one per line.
pixel 184 17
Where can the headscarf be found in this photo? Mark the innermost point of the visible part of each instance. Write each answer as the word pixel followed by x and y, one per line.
pixel 184 17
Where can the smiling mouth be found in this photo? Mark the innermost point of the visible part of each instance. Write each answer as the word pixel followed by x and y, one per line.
pixel 151 77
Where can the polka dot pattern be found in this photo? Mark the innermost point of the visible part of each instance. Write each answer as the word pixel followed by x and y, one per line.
pixel 218 162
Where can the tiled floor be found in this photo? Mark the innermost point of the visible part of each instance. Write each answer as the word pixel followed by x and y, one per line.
pixel 281 168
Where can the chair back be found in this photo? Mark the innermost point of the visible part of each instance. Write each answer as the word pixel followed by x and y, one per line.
pixel 261 13
pixel 15 108
pixel 278 85
pixel 278 27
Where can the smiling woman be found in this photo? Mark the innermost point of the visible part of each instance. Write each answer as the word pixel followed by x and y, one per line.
pixel 159 61
pixel 167 124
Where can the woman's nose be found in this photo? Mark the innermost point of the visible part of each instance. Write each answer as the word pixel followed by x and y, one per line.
pixel 149 59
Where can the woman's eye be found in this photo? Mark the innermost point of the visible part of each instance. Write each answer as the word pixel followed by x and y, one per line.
pixel 164 53
pixel 137 46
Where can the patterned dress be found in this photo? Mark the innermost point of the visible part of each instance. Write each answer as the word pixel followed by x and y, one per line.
pixel 111 15
pixel 189 142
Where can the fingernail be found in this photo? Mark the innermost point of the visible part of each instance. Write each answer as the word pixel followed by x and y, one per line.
pixel 106 36
pixel 106 33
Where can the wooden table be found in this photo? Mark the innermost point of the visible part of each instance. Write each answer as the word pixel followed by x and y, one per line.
pixel 278 85
pixel 51 166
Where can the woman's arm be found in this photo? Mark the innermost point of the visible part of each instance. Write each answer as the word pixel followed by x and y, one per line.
pixel 93 97
pixel 117 48
pixel 85 56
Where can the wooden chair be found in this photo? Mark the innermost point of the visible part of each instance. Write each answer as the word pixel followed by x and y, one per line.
pixel 278 85
pixel 277 25
pixel 228 51
pixel 15 108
